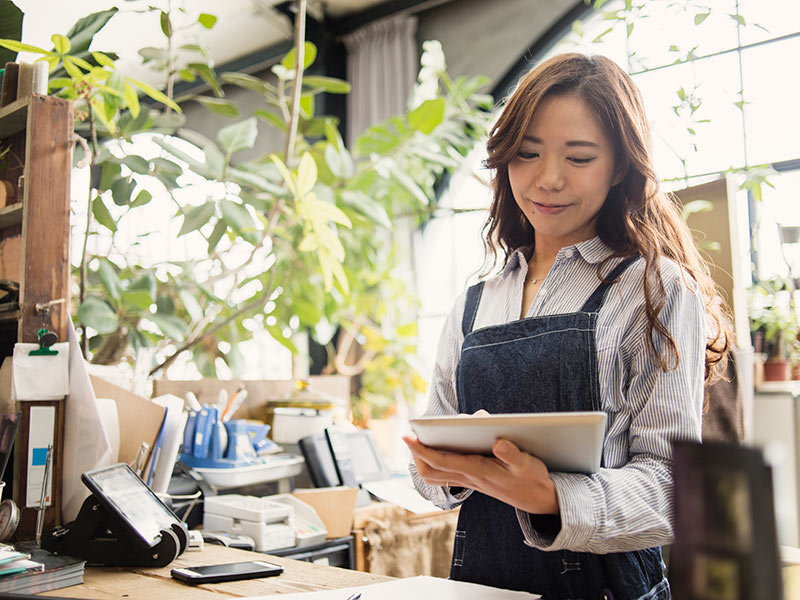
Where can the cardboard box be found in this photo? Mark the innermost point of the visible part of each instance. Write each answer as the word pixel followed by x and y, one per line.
pixel 334 505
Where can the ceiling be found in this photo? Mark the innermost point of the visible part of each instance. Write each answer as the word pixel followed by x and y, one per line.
pixel 243 26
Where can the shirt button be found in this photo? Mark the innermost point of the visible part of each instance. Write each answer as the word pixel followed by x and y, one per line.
pixel 569 252
pixel 542 290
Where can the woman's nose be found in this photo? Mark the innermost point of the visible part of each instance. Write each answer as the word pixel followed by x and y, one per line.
pixel 550 175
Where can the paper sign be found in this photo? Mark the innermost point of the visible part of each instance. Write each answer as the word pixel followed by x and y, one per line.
pixel 40 436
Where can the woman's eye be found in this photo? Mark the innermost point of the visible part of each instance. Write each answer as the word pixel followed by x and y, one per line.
pixel 580 161
pixel 527 155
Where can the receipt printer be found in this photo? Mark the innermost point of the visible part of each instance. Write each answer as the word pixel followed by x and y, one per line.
pixel 269 523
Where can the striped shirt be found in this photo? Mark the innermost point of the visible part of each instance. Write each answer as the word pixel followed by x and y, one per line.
pixel 627 504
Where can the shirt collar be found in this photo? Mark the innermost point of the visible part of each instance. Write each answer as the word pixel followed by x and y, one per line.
pixel 593 251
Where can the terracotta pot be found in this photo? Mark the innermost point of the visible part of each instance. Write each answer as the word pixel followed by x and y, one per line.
pixel 777 370
pixel 795 371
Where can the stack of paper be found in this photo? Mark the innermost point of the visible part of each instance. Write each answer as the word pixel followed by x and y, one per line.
pixel 412 587
pixel 13 561
pixel 50 572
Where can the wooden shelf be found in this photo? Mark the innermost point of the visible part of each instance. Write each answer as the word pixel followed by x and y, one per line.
pixel 11 215
pixel 14 117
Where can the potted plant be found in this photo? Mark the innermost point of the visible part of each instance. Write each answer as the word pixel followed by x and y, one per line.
pixel 774 323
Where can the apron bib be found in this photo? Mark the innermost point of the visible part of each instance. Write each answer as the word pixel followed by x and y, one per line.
pixel 539 364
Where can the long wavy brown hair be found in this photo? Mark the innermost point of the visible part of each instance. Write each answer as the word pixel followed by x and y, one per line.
pixel 635 218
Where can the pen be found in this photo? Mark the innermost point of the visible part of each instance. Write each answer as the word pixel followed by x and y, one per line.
pixel 355 596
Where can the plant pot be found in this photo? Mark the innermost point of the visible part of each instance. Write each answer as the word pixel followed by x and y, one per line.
pixel 777 370
pixel 795 371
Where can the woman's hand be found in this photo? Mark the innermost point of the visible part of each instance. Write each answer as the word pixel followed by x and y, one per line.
pixel 511 476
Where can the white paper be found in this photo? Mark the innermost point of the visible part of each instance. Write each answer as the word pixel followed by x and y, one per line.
pixel 402 493
pixel 40 436
pixel 170 441
pixel 412 587
pixel 40 377
pixel 86 443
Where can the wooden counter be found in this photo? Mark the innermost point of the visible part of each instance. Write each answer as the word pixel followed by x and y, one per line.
pixel 108 583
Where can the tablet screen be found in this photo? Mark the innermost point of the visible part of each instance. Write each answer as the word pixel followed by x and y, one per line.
pixel 119 489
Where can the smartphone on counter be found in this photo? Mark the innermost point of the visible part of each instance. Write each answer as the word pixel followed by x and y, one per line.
pixel 228 572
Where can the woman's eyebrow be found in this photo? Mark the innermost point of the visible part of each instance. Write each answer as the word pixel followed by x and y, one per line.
pixel 571 143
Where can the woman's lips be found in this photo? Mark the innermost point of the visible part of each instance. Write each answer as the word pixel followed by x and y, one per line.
pixel 551 209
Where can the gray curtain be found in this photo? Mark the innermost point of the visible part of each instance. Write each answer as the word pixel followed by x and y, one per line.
pixel 382 67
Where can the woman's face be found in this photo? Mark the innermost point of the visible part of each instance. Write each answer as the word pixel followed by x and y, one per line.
pixel 563 171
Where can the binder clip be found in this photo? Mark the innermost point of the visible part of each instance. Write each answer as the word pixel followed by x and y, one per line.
pixel 46 339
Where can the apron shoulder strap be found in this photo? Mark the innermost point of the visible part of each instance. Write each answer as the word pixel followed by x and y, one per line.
pixel 471 307
pixel 595 301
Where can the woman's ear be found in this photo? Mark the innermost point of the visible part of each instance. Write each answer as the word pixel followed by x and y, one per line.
pixel 619 173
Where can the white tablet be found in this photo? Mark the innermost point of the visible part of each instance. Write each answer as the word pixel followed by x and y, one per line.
pixel 564 441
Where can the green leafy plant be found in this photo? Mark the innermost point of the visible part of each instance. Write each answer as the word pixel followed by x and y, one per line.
pixel 774 317
pixel 298 240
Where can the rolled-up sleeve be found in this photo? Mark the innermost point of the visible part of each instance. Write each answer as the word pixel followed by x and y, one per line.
pixel 443 401
pixel 628 505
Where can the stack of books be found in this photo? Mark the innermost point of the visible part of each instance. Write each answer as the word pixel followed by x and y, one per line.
pixel 31 571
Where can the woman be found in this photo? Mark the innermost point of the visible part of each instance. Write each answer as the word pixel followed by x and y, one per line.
pixel 603 303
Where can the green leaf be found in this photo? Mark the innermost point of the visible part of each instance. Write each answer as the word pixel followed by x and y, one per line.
pixel 238 217
pixel 207 20
pixel 191 305
pixel 215 161
pixel 101 214
pixel 60 43
pixel 146 282
pixel 103 59
pixel 121 191
pixel 98 315
pixel 167 167
pixel 110 173
pixel 83 31
pixel 368 207
pixel 20 47
pixel 131 99
pixel 327 84
pixel 599 38
pixel 306 174
pixel 254 180
pixel 137 164
pixel 219 230
pixel 170 325
pixel 239 136
pixel 224 108
pixel 410 185
pixel 248 82
pixel 285 173
pixel 155 94
pixel 307 106
pixel 166 24
pixel 427 115
pixel 10 28
pixel 700 17
pixel 309 54
pixel 196 217
pixel 739 19
pixel 327 211
pixel 109 277
pixel 207 74
pixel 142 198
pixel 140 299
pixel 277 334
pixel 149 53
pixel 270 117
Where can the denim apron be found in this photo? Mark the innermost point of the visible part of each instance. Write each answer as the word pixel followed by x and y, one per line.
pixel 539 364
